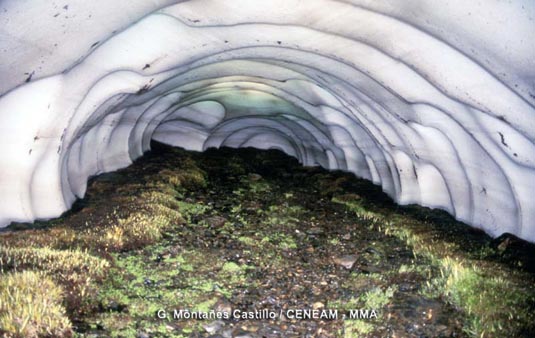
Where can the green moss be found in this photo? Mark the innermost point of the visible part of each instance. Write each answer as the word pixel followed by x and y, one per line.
pixel 77 271
pixel 358 208
pixel 496 302
pixel 489 300
pixel 259 187
pixel 334 241
pixel 374 299
pixel 281 240
pixel 205 306
pixel 231 267
pixel 358 281
pixel 247 240
pixel 121 223
pixel 189 176
pixel 377 298
pixel 191 209
pixel 31 306
pixel 356 328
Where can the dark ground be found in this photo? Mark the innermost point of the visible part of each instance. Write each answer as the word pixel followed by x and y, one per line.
pixel 263 233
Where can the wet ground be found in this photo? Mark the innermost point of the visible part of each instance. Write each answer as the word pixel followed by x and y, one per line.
pixel 267 248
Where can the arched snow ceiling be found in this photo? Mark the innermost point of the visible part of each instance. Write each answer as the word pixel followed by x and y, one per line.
pixel 433 100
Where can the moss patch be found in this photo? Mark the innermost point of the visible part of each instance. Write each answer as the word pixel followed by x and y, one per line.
pixel 245 229
pixel 26 311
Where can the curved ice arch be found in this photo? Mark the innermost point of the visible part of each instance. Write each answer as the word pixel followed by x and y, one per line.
pixel 433 103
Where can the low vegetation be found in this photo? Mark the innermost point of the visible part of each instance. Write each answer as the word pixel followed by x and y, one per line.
pixel 497 301
pixel 170 235
pixel 57 269
pixel 31 306
pixel 76 271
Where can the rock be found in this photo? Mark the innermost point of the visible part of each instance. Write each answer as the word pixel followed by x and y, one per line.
pixel 373 251
pixel 243 334
pixel 142 335
pixel 226 333
pixel 318 305
pixel 254 177
pixel 515 250
pixel 346 261
pixel 223 305
pixel 270 331
pixel 115 307
pixel 407 287
pixel 441 328
pixel 398 334
pixel 413 328
pixel 315 231
pixel 214 326
pixel 215 221
pixel 271 300
pixel 370 269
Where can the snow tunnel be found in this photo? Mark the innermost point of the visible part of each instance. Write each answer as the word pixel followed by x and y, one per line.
pixel 432 100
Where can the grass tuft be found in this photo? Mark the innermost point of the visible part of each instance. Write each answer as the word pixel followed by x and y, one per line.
pixel 28 312
pixel 76 270
pixel 496 303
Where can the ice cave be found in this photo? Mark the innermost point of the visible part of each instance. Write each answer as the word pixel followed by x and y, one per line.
pixel 433 101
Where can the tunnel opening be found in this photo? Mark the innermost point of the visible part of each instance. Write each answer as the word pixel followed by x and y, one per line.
pixel 384 108
pixel 235 242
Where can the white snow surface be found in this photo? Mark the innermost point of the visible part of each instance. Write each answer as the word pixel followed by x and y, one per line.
pixel 434 100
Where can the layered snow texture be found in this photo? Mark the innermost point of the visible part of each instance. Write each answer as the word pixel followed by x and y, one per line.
pixel 434 100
